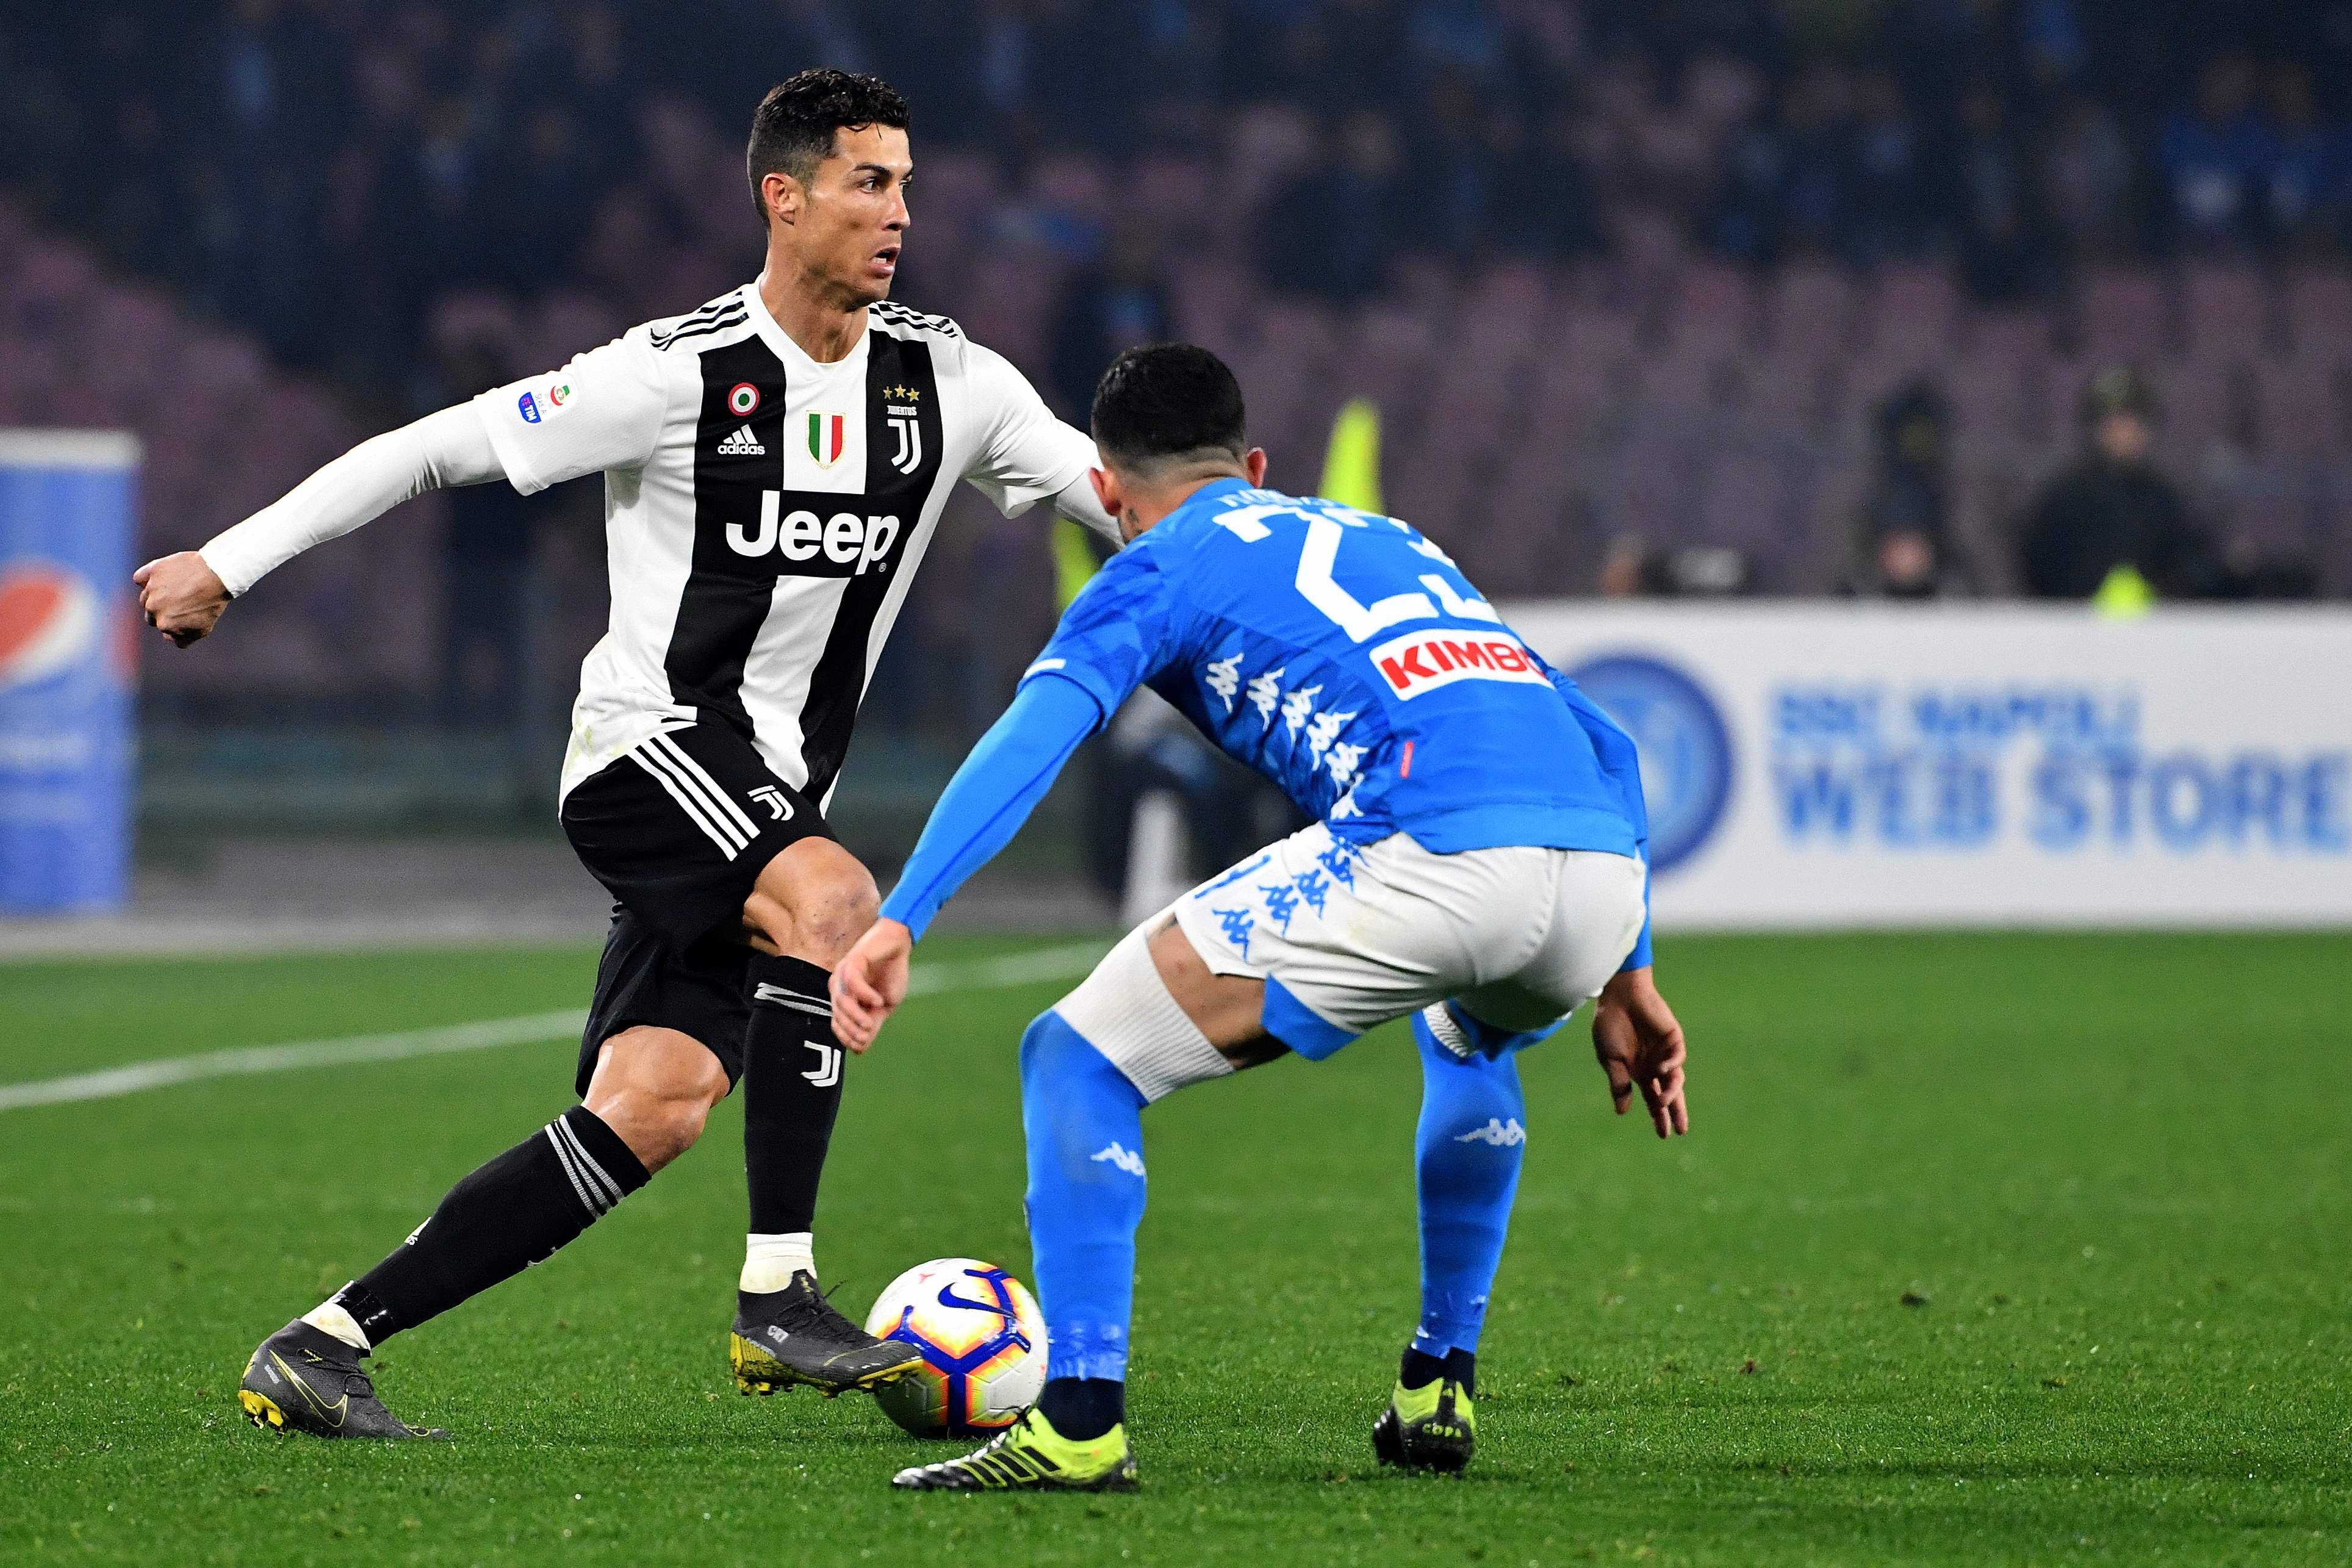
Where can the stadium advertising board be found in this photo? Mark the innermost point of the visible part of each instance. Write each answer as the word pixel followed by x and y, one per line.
pixel 68 508
pixel 1838 765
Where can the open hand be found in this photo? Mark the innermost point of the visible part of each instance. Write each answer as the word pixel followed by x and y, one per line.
pixel 868 984
pixel 1639 1046
pixel 182 595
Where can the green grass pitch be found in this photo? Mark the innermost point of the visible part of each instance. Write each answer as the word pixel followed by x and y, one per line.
pixel 1982 1249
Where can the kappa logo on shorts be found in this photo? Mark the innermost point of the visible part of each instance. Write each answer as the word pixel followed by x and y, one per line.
pixel 1424 660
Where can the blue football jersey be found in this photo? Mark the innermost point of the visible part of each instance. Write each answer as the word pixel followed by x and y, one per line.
pixel 1347 659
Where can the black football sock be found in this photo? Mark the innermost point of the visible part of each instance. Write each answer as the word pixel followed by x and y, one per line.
pixel 1084 1408
pixel 511 1213
pixel 791 1091
pixel 1420 1369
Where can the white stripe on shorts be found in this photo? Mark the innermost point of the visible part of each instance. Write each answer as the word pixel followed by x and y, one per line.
pixel 718 797
pixel 692 804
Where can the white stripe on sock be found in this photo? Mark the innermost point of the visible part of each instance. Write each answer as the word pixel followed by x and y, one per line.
pixel 596 1172
pixel 777 996
pixel 563 1158
pixel 727 846
pixel 726 802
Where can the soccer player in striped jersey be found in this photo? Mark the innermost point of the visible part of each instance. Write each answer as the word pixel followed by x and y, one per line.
pixel 774 465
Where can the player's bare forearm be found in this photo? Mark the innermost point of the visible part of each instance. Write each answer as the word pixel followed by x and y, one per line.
pixel 870 982
pixel 182 595
pixel 1639 1044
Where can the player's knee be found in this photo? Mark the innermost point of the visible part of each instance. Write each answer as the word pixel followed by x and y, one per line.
pixel 1049 1046
pixel 817 906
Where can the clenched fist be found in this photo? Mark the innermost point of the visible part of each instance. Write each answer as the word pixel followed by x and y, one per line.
pixel 182 597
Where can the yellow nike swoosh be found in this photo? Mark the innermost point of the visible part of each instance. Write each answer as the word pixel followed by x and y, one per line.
pixel 332 1413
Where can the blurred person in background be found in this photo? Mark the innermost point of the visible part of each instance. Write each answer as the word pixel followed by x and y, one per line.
pixel 2113 515
pixel 1902 545
pixel 1560 216
pixel 2303 199
pixel 1333 231
pixel 1889 213
pixel 2215 161
pixel 2088 179
pixel 485 619
pixel 1118 302
pixel 2004 249
pixel 1635 569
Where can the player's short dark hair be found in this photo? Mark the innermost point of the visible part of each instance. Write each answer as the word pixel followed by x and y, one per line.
pixel 792 128
pixel 1166 401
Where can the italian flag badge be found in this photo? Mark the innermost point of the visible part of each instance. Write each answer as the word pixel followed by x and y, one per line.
pixel 825 438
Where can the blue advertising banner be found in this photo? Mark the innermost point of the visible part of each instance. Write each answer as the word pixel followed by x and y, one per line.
pixel 68 513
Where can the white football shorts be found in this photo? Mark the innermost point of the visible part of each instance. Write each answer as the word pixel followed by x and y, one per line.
pixel 1348 936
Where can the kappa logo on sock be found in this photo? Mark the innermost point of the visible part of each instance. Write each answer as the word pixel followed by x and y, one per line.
pixel 1125 1158
pixel 1501 1134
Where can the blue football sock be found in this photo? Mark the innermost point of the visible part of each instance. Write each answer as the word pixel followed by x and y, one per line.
pixel 1467 1166
pixel 1084 1127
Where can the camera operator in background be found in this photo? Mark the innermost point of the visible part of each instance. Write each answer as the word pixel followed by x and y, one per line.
pixel 2114 512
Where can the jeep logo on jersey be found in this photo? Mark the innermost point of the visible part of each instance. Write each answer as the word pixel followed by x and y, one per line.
pixel 1424 660
pixel 842 546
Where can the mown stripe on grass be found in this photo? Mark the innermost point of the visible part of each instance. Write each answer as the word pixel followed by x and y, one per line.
pixel 487 1034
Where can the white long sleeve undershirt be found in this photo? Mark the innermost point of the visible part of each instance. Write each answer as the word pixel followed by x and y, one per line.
pixel 437 452
pixel 1076 500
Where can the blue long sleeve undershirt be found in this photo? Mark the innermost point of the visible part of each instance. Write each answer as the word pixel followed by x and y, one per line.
pixel 992 795
pixel 1623 765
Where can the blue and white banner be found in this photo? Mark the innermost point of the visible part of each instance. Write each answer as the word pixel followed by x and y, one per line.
pixel 1811 764
pixel 69 510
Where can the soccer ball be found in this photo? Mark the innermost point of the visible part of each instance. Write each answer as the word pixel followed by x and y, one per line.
pixel 983 1347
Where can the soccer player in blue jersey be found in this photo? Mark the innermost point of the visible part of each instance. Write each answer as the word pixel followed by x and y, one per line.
pixel 1477 863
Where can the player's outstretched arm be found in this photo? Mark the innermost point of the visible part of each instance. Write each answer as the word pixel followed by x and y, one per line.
pixel 1640 1047
pixel 184 594
pixel 982 807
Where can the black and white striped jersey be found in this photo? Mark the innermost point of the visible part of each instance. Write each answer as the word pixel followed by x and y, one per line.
pixel 764 513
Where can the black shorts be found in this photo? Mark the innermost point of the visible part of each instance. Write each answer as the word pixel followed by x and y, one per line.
pixel 678 830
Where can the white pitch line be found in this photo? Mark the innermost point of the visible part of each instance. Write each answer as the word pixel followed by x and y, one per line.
pixel 487 1033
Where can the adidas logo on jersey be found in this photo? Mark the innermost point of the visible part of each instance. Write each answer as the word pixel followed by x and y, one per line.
pixel 742 444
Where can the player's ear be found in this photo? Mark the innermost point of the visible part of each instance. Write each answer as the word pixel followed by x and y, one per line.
pixel 1254 465
pixel 1106 489
pixel 781 196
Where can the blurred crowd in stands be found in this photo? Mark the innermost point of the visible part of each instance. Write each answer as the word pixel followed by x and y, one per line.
pixel 321 169
pixel 1689 296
